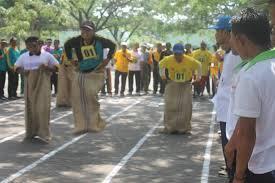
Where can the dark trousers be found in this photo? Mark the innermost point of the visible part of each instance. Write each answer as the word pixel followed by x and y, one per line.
pixel 230 172
pixel 13 83
pixel 54 81
pixel 137 75
pixel 2 82
pixel 157 79
pixel 108 82
pixel 22 83
pixel 145 77
pixel 123 76
pixel 261 178
pixel 208 85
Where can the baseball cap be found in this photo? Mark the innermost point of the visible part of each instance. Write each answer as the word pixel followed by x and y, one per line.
pixel 4 41
pixel 123 44
pixel 88 25
pixel 224 23
pixel 178 48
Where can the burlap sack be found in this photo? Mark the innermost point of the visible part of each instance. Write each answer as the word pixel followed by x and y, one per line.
pixel 65 80
pixel 37 103
pixel 178 107
pixel 86 107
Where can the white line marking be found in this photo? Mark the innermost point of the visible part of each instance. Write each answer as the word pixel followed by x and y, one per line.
pixel 19 113
pixel 10 102
pixel 126 158
pixel 207 154
pixel 52 153
pixel 22 132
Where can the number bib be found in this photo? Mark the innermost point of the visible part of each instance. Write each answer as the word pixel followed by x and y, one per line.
pixel 179 77
pixel 88 52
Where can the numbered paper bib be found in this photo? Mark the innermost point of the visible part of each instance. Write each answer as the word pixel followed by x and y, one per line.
pixel 179 77
pixel 88 52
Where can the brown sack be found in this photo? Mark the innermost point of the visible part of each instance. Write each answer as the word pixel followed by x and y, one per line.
pixel 178 107
pixel 86 107
pixel 37 103
pixel 65 80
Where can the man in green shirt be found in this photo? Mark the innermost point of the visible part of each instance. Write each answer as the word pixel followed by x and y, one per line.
pixel 12 55
pixel 57 53
pixel 3 68
pixel 89 78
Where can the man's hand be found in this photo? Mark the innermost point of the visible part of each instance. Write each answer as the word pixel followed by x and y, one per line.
pixel 229 154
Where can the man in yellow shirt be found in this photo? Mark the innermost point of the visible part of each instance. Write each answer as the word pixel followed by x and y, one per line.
pixel 178 93
pixel 122 58
pixel 205 57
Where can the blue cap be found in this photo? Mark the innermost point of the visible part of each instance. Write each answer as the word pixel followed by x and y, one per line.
pixel 178 48
pixel 224 23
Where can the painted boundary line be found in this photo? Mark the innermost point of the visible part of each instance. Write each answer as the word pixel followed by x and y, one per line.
pixel 126 158
pixel 207 154
pixel 52 153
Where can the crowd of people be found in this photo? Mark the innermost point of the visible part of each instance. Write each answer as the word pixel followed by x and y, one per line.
pixel 242 71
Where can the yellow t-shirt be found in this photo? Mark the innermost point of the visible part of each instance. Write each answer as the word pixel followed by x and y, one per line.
pixel 122 61
pixel 156 56
pixel 205 57
pixel 180 72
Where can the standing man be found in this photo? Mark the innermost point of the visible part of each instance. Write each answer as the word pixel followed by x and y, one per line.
pixel 222 98
pixel 146 68
pixel 57 53
pixel 205 57
pixel 89 78
pixel 12 55
pixel 165 53
pixel 21 75
pixel 36 67
pixel 178 95
pixel 121 58
pixel 156 59
pixel 253 137
pixel 135 69
pixel 3 68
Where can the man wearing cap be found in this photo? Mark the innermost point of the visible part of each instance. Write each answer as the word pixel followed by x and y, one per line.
pixel 122 59
pixel 222 98
pixel 146 68
pixel 178 94
pixel 3 68
pixel 36 66
pixel 89 77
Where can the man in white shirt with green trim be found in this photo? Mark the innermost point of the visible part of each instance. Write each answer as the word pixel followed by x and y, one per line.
pixel 253 138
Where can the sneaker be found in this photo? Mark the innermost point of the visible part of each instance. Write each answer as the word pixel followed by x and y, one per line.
pixel 3 98
pixel 122 95
pixel 138 94
pixel 130 93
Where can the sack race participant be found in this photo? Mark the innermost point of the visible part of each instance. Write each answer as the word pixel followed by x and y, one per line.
pixel 65 81
pixel 36 66
pixel 89 78
pixel 178 92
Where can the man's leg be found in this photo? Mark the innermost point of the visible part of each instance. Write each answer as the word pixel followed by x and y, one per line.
pixel 16 78
pixel 109 81
pixel 22 84
pixel 156 77
pixel 2 83
pixel 138 76
pixel 117 74
pixel 124 78
pixel 131 81
pixel 208 85
pixel 10 83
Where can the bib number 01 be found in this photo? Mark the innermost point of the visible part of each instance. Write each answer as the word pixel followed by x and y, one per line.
pixel 88 52
pixel 179 77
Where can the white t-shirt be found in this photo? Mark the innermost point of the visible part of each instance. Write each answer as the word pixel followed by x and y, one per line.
pixel 28 62
pixel 255 98
pixel 136 66
pixel 232 118
pixel 222 97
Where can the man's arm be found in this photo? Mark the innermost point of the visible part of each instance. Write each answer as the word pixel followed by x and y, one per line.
pixel 245 145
